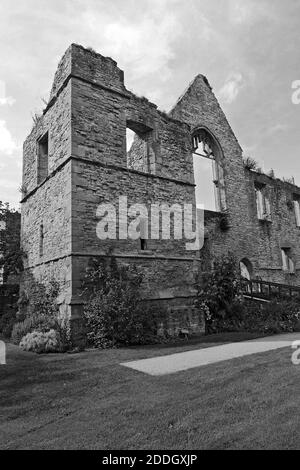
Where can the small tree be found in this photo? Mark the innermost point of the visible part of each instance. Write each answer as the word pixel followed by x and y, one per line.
pixel 11 254
pixel 219 289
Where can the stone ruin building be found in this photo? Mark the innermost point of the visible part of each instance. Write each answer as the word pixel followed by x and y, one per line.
pixel 76 158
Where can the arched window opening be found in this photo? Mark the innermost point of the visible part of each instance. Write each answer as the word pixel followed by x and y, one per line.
pixel 208 172
pixel 246 269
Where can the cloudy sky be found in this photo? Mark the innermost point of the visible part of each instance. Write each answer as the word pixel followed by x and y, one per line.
pixel 248 49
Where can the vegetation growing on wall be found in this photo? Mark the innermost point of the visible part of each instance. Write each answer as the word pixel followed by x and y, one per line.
pixel 250 164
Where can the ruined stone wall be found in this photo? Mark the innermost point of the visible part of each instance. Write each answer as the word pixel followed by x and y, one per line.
pixel 88 166
pixel 101 174
pixel 57 122
pixel 246 237
pixel 86 118
pixel 200 109
pixel 48 203
pixel 268 237
pixel 49 206
pixel 167 264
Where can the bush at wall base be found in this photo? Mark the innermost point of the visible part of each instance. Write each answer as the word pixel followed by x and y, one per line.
pixel 39 342
pixel 114 313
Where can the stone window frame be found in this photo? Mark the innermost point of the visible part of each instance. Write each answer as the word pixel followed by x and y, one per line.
pixel 215 153
pixel 288 265
pixel 263 205
pixel 296 201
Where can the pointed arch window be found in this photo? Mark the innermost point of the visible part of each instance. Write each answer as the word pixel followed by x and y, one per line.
pixel 208 172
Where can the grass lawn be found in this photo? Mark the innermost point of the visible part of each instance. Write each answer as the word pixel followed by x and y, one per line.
pixel 89 401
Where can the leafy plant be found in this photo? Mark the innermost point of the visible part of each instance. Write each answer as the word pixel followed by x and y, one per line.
pixel 268 318
pixel 225 310
pixel 12 255
pixel 7 322
pixel 219 289
pixel 250 163
pixel 9 294
pixel 40 299
pixel 38 342
pixel 23 190
pixel 39 311
pixel 39 322
pixel 114 312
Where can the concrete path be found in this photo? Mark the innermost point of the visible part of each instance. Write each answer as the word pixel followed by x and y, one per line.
pixel 201 357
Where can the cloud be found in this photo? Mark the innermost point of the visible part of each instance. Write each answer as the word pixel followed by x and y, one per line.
pixel 232 87
pixel 8 100
pixel 242 12
pixel 5 100
pixel 7 144
pixel 280 127
pixel 144 46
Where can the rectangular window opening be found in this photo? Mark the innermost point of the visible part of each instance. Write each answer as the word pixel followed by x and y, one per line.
pixel 139 149
pixel 143 244
pixel 262 203
pixel 297 210
pixel 288 265
pixel 41 240
pixel 43 158
pixel 144 234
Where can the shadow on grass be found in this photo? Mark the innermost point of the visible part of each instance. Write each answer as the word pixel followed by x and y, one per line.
pixel 220 338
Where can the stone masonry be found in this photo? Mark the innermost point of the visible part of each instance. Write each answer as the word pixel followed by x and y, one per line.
pixel 82 133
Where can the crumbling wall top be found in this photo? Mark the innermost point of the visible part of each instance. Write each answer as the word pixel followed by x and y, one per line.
pixel 87 65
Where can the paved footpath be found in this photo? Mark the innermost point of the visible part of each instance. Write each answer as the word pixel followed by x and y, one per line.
pixel 201 357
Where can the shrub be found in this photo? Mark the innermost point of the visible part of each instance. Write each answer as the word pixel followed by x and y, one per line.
pixel 114 312
pixel 39 312
pixel 273 317
pixel 219 289
pixel 7 322
pixel 38 342
pixel 225 310
pixel 8 305
pixel 253 317
pixel 250 163
pixel 36 322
